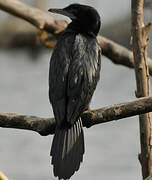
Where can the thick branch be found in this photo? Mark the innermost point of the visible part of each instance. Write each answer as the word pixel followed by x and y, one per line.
pixel 140 32
pixel 46 126
pixel 33 15
pixel 117 53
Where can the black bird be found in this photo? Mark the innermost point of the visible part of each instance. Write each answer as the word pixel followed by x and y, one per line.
pixel 73 76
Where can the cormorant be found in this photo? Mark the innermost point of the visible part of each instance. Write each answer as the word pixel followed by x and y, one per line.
pixel 73 76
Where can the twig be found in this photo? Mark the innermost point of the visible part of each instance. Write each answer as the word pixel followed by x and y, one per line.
pixel 140 33
pixel 117 53
pixel 46 126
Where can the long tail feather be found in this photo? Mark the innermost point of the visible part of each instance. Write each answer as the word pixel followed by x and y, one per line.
pixel 67 150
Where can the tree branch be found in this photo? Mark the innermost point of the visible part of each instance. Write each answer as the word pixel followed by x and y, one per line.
pixel 46 126
pixel 33 15
pixel 140 36
pixel 117 53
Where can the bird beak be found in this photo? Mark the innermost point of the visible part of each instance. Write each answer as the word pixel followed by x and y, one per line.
pixel 63 12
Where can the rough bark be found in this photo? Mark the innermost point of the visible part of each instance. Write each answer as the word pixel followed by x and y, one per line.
pixel 140 32
pixel 46 126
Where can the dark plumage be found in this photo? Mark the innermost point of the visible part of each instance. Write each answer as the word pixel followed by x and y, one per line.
pixel 73 76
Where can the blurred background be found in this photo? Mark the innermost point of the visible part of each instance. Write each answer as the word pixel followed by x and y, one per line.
pixel 112 148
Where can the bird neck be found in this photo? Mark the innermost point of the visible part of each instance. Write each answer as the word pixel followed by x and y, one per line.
pixel 82 28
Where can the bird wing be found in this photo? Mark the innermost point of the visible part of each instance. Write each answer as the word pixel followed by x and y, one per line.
pixel 73 76
pixel 83 76
pixel 59 65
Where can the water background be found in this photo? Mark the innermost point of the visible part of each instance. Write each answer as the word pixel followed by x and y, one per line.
pixel 111 149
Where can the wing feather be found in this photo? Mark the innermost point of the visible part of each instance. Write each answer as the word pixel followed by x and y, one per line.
pixel 73 76
pixel 83 76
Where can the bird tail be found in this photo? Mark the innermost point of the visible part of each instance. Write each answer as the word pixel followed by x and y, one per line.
pixel 67 150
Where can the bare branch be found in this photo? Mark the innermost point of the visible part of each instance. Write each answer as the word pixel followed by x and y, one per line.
pixel 46 126
pixel 140 36
pixel 117 53
pixel 33 15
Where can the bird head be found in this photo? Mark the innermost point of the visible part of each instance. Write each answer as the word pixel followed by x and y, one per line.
pixel 85 19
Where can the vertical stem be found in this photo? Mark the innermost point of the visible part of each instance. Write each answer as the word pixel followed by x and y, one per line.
pixel 139 32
